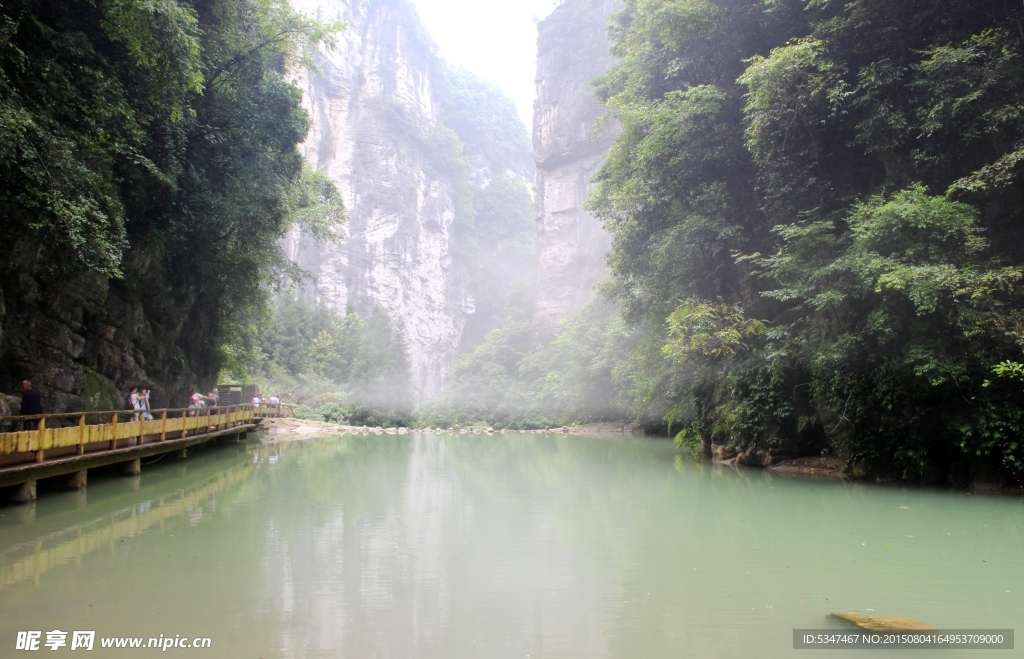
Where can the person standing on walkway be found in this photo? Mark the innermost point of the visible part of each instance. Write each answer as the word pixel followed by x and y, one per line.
pixel 135 402
pixel 195 401
pixel 144 401
pixel 31 404
pixel 213 398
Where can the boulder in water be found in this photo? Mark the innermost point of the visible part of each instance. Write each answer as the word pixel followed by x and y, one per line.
pixel 883 624
pixel 722 453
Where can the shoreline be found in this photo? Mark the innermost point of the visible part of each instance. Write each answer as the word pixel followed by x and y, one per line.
pixel 290 427
pixel 816 468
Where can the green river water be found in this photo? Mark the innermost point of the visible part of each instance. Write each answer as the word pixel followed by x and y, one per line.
pixel 492 547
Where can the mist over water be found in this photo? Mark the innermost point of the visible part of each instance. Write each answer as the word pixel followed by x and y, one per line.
pixel 498 546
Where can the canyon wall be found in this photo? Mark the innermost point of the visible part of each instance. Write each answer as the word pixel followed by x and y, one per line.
pixel 378 104
pixel 568 149
pixel 83 339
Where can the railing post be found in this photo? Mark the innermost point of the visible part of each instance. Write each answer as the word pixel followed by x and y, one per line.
pixel 163 425
pixel 184 424
pixel 113 431
pixel 42 436
pixel 81 435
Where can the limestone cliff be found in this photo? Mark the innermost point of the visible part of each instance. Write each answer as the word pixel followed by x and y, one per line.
pixel 83 339
pixel 572 50
pixel 379 104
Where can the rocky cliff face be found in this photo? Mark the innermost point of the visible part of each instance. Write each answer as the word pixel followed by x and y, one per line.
pixel 572 51
pixel 377 105
pixel 82 340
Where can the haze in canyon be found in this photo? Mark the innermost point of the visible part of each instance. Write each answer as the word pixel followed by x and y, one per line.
pixel 415 144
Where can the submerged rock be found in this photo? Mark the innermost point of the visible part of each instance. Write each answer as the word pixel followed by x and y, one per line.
pixel 882 624
pixel 822 467
pixel 722 453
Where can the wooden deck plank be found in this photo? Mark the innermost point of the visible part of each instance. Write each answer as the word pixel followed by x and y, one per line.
pixel 30 471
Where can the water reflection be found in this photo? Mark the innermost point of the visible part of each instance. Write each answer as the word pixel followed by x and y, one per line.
pixel 29 560
pixel 424 547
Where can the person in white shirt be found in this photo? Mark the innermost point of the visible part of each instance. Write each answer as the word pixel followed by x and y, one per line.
pixel 256 402
pixel 144 405
pixel 135 400
pixel 195 401
pixel 275 402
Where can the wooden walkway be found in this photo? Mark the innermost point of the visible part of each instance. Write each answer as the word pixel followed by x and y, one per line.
pixel 283 410
pixel 68 445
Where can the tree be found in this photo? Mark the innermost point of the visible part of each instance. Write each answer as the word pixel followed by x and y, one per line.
pixel 154 145
pixel 846 174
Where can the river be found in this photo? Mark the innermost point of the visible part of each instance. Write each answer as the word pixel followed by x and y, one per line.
pixel 492 547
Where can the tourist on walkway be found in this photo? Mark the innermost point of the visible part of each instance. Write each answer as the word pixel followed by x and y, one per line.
pixel 213 398
pixel 144 402
pixel 31 404
pixel 275 402
pixel 256 402
pixel 133 402
pixel 195 401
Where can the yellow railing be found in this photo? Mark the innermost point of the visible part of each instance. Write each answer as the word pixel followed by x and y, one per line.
pixel 282 410
pixel 57 431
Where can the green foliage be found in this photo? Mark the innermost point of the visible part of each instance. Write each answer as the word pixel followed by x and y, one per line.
pixel 154 143
pixel 513 380
pixel 317 357
pixel 330 412
pixel 482 116
pixel 712 330
pixel 783 158
pixel 315 206
pixel 1008 369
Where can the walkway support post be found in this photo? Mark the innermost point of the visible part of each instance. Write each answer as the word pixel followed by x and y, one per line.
pixel 77 480
pixel 41 454
pixel 132 467
pixel 26 493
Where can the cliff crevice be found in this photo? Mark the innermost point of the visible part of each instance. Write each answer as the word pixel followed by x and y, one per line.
pixel 569 146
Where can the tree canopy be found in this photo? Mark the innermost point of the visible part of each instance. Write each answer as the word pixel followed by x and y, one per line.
pixel 816 206
pixel 154 144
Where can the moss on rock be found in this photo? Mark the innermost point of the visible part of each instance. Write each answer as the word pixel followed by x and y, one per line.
pixel 100 394
pixel 9 405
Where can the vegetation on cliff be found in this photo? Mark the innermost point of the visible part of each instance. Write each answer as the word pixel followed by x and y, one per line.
pixel 348 368
pixel 816 210
pixel 153 146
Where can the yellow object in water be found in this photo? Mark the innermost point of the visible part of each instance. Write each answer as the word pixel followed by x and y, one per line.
pixel 883 624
